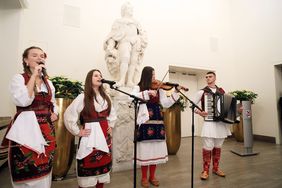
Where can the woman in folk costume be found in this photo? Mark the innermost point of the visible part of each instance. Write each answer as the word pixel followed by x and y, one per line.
pixel 94 110
pixel 151 144
pixel 31 135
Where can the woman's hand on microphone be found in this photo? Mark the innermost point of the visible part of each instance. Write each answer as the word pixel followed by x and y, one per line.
pixel 38 70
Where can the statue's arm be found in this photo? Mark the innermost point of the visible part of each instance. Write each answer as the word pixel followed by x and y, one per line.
pixel 110 44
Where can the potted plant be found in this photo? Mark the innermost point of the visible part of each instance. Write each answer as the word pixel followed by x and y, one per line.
pixel 181 103
pixel 66 91
pixel 65 88
pixel 244 95
pixel 246 98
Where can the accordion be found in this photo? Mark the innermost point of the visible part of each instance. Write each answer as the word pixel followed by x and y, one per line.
pixel 220 107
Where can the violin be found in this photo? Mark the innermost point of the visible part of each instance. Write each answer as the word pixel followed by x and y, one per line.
pixel 157 84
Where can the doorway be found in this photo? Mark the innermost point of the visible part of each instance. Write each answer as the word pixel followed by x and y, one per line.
pixel 193 78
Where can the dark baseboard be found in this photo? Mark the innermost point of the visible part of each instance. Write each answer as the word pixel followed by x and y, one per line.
pixel 262 138
pixel 268 139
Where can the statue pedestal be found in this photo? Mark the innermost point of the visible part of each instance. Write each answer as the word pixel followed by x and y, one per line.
pixel 123 132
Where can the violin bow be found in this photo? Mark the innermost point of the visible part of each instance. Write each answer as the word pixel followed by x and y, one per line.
pixel 159 86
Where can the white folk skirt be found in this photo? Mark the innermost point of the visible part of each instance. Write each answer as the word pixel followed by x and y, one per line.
pixel 215 129
pixel 151 152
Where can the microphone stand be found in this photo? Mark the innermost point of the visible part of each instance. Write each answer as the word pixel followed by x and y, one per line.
pixel 135 101
pixel 193 106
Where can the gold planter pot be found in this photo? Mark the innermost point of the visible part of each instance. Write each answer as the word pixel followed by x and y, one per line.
pixel 238 130
pixel 65 143
pixel 172 121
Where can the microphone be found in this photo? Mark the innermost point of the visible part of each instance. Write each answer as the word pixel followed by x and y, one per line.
pixel 44 72
pixel 108 82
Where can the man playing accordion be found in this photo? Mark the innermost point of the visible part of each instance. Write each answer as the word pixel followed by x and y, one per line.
pixel 214 131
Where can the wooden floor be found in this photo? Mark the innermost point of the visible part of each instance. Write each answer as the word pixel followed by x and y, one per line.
pixel 260 171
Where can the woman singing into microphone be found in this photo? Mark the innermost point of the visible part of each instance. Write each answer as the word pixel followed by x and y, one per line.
pixel 97 116
pixel 31 135
pixel 152 149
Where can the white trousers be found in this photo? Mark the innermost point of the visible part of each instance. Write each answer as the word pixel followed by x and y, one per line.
pixel 210 143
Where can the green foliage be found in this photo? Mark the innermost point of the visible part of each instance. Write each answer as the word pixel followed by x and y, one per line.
pixel 244 95
pixel 66 88
pixel 182 102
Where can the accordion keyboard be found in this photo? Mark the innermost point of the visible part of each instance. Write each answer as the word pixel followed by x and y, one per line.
pixel 209 107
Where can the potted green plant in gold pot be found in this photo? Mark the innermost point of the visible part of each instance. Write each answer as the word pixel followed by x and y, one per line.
pixel 66 91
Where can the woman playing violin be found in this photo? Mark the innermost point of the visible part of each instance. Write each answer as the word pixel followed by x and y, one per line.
pixel 152 149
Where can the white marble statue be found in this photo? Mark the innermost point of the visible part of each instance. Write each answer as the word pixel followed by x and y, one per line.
pixel 125 47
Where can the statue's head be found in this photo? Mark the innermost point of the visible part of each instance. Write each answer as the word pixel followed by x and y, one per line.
pixel 127 10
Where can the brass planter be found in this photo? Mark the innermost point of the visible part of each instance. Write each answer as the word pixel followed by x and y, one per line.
pixel 172 121
pixel 65 143
pixel 238 130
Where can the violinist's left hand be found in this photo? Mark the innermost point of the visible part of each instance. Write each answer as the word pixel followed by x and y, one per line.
pixel 178 88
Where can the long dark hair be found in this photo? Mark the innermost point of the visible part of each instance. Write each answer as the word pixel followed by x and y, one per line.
pixel 89 93
pixel 26 68
pixel 146 78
